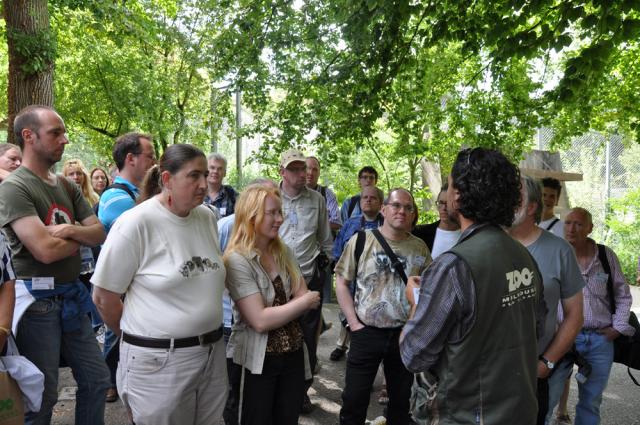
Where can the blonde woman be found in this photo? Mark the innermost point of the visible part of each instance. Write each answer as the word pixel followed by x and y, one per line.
pixel 76 171
pixel 10 159
pixel 270 294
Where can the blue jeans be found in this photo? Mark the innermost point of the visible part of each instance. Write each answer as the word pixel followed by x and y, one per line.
pixel 598 352
pixel 41 339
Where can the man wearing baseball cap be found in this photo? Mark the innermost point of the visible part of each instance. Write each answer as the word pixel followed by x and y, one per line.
pixel 306 231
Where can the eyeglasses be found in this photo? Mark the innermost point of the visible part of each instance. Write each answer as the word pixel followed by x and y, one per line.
pixel 149 156
pixel 442 204
pixel 396 207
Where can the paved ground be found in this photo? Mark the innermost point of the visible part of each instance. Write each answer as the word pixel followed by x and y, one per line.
pixel 620 405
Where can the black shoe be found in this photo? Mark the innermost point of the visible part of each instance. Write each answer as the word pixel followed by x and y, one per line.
pixel 337 354
pixel 307 407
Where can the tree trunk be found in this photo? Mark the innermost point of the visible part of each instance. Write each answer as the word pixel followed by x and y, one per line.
pixel 30 72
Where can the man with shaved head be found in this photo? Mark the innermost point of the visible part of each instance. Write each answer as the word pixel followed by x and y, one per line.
pixel 606 317
pixel 39 215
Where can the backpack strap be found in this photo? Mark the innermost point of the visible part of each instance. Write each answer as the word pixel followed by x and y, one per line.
pixel 360 240
pixel 323 191
pixel 124 187
pixel 553 223
pixel 120 186
pixel 395 262
pixel 602 256
pixel 352 204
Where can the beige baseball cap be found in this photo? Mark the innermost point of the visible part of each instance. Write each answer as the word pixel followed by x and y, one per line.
pixel 292 155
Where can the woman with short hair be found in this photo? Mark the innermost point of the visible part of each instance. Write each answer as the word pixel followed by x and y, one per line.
pixel 164 256
pixel 265 282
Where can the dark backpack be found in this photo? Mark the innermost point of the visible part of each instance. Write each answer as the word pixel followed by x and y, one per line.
pixel 122 186
pixel 626 348
pixel 352 204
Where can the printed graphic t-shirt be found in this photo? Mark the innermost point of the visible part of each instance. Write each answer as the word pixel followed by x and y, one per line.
pixel 380 299
pixel 25 194
pixel 170 268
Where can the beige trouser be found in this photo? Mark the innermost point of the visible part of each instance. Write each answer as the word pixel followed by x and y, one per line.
pixel 173 387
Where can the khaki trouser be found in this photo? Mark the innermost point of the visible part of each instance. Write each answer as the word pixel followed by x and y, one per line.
pixel 173 387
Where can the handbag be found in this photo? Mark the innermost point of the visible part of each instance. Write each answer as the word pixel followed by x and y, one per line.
pixel 28 378
pixel 626 349
pixel 11 405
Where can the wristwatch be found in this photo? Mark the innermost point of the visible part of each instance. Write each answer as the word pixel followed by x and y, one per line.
pixel 549 364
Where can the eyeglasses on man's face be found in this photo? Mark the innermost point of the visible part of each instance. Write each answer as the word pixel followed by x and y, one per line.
pixel 397 206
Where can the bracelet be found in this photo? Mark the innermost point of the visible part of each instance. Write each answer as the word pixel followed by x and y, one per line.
pixel 5 330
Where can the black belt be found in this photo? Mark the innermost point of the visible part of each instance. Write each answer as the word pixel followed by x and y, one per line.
pixel 192 341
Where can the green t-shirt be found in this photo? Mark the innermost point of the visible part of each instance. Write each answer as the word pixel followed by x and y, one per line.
pixel 380 299
pixel 24 194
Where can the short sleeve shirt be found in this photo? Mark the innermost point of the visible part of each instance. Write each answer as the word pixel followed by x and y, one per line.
pixel 560 275
pixel 24 194
pixel 170 267
pixel 380 299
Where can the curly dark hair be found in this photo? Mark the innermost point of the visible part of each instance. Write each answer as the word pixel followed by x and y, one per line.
pixel 489 186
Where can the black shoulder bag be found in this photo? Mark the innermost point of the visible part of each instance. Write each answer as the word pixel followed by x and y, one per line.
pixel 626 349
pixel 395 262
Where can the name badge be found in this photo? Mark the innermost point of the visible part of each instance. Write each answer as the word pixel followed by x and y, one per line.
pixel 42 283
pixel 223 211
pixel 293 218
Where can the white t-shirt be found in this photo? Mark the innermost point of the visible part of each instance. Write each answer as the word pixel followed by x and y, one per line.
pixel 557 229
pixel 445 239
pixel 170 268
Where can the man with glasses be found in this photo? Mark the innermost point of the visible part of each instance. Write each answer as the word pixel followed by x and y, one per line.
pixel 306 231
pixel 443 234
pixel 379 308
pixel 133 154
pixel 367 176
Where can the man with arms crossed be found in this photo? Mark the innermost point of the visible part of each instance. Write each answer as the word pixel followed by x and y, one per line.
pixel 479 313
pixel 380 309
pixel 562 283
pixel 39 216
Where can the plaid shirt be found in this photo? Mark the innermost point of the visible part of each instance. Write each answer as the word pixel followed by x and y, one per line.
pixel 597 308
pixel 225 201
pixel 6 265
